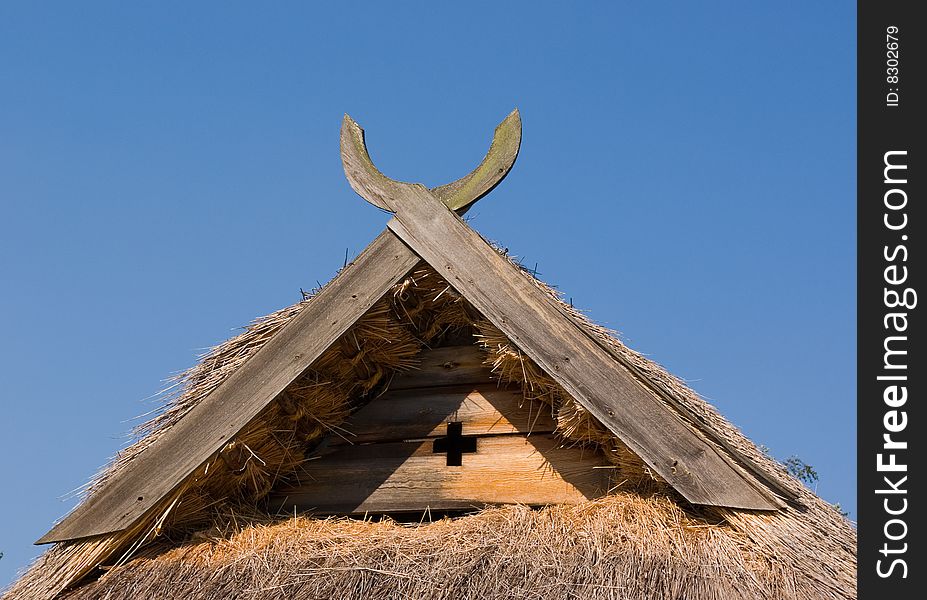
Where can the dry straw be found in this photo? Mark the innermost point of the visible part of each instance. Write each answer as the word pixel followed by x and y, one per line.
pixel 210 538
pixel 624 546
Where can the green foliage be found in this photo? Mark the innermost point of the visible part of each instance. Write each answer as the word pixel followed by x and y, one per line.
pixel 800 470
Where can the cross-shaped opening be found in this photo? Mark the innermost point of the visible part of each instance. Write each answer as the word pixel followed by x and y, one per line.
pixel 455 444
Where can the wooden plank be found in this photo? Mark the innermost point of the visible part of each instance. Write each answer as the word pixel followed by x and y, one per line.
pixel 221 415
pixel 531 319
pixel 413 414
pixel 450 365
pixel 406 477
pixel 742 458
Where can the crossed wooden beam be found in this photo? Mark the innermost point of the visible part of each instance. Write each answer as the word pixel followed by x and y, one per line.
pixel 425 226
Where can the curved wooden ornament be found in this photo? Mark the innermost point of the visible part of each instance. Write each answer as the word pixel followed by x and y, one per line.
pixel 375 187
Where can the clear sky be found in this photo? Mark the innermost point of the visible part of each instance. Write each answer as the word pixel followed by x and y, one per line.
pixel 169 172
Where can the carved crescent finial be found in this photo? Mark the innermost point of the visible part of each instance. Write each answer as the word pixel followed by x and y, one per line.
pixel 374 186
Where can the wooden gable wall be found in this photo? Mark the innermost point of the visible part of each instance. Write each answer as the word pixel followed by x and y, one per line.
pixel 395 455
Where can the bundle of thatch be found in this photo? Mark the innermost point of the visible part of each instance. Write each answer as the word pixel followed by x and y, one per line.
pixel 214 538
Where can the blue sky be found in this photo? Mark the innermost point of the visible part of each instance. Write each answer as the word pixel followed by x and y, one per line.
pixel 169 172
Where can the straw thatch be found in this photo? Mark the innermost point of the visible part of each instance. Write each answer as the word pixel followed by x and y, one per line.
pixel 211 538
pixel 624 546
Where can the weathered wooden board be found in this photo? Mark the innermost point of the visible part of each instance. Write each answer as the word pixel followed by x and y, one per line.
pixel 530 318
pixel 406 477
pixel 705 427
pixel 450 365
pixel 219 417
pixel 411 414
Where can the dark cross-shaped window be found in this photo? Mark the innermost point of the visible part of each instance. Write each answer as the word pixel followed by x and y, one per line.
pixel 455 444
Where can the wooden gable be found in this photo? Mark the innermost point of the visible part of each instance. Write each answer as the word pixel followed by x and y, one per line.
pixel 383 468
pixel 446 438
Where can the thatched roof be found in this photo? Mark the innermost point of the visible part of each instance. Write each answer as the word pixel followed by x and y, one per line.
pixel 625 546
pixel 213 538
